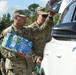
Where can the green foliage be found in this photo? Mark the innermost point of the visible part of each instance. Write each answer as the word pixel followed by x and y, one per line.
pixel 32 8
pixel 56 19
pixel 32 12
pixel 2 26
pixel 30 20
pixel 5 21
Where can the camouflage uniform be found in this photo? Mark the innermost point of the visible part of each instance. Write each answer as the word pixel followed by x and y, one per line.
pixel 40 41
pixel 18 66
pixel 15 65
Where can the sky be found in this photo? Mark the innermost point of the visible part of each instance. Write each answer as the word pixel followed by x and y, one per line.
pixel 9 5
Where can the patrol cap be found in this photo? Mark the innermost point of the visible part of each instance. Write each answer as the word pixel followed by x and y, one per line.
pixel 20 12
pixel 41 10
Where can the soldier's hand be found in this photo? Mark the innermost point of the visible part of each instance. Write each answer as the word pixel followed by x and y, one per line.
pixel 21 55
pixel 51 14
pixel 38 61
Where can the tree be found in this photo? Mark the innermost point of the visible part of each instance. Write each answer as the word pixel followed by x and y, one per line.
pixel 56 19
pixel 32 12
pixel 30 20
pixel 32 8
pixel 5 21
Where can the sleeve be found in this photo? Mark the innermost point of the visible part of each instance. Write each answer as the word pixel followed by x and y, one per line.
pixel 45 27
pixel 48 36
pixel 7 54
pixel 4 52
pixel 40 31
pixel 34 56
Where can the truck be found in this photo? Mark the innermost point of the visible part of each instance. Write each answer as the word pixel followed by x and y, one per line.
pixel 59 56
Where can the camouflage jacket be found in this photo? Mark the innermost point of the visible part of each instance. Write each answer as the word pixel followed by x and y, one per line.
pixel 11 56
pixel 40 39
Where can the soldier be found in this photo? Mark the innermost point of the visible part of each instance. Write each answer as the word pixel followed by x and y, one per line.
pixel 40 41
pixel 16 63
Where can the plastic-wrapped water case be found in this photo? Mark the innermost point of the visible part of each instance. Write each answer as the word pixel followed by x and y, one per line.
pixel 16 43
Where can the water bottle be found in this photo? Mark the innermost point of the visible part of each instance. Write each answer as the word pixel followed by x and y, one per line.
pixel 30 45
pixel 13 43
pixel 7 40
pixel 26 49
pixel 25 46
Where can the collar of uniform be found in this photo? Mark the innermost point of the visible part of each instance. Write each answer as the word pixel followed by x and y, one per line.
pixel 37 24
pixel 16 28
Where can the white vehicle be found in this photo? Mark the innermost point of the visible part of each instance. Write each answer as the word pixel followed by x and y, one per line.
pixel 60 53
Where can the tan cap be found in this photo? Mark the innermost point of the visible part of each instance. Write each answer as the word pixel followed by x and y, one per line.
pixel 41 10
pixel 20 12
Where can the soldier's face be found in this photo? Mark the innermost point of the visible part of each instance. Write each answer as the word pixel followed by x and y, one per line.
pixel 41 18
pixel 52 14
pixel 21 20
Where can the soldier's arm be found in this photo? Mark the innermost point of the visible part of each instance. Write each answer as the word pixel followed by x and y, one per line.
pixel 44 28
pixel 6 53
pixel 11 54
pixel 47 25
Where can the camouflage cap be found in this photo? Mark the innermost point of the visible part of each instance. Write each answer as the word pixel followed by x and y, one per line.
pixel 20 12
pixel 41 10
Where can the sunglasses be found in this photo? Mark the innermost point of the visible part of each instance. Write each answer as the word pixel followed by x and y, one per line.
pixel 44 16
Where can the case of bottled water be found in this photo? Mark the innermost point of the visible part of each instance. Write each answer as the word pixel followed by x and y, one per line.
pixel 16 43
